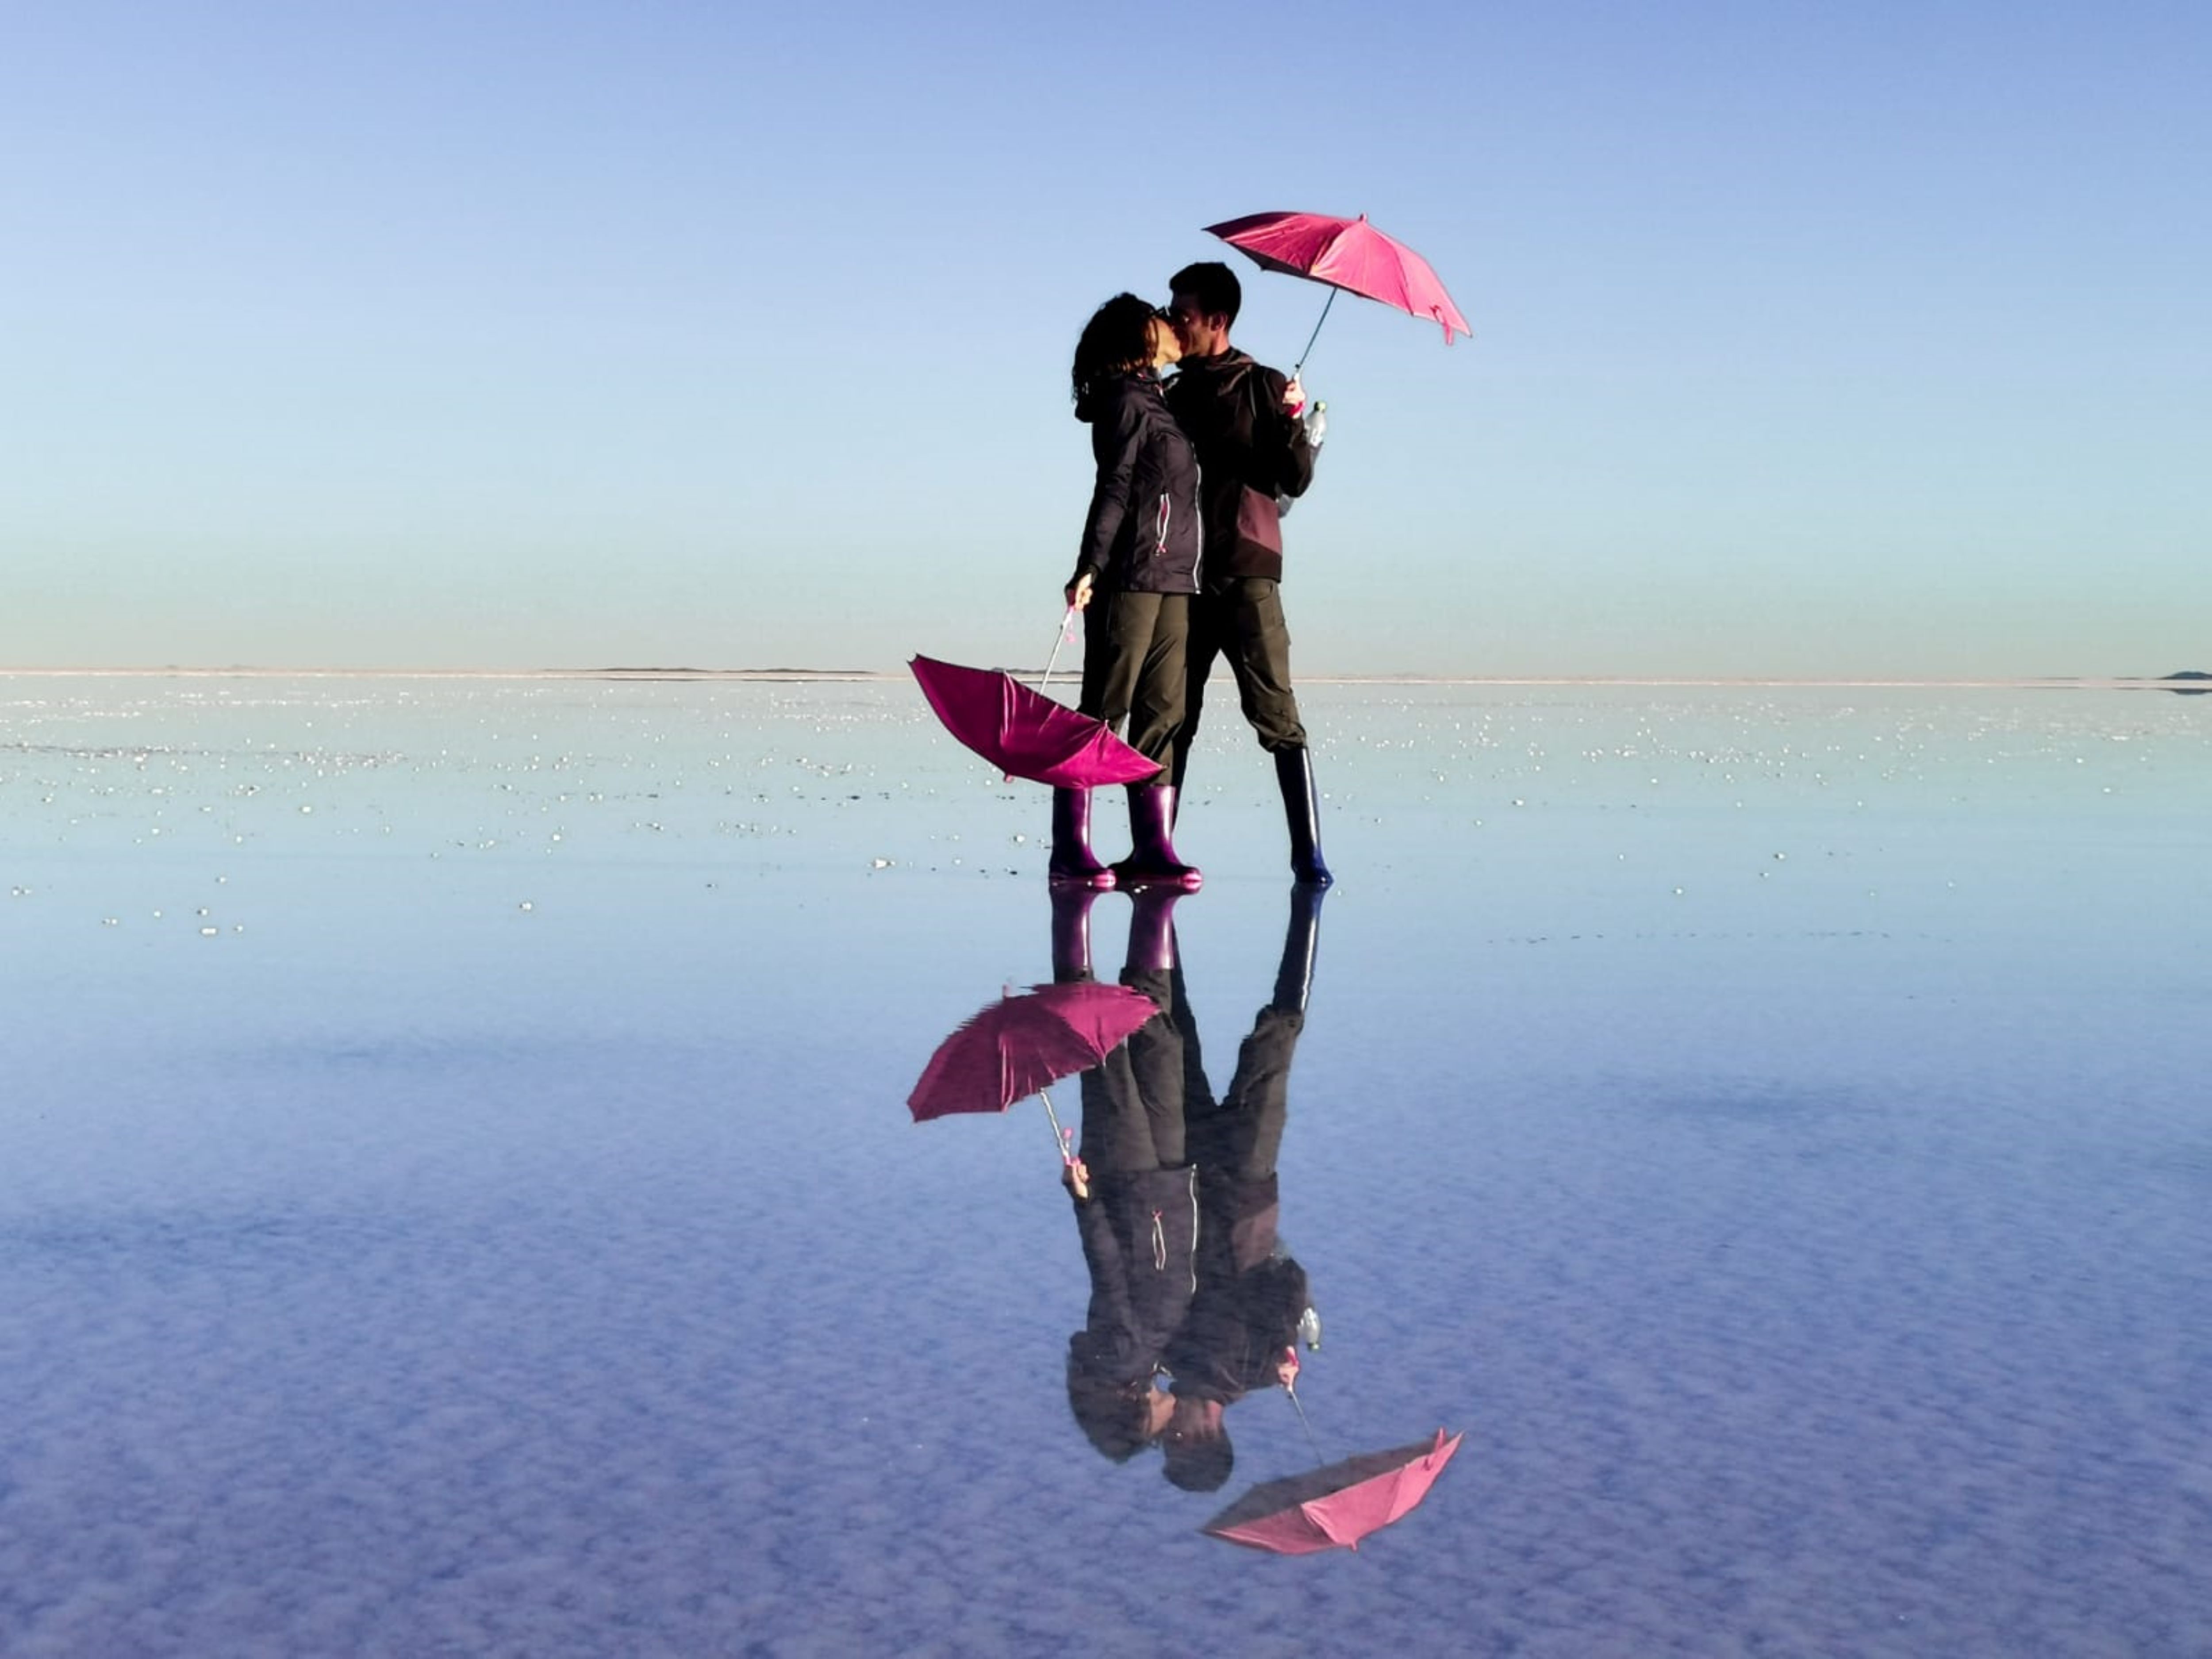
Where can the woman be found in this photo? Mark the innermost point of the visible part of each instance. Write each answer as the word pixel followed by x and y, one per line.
pixel 1133 582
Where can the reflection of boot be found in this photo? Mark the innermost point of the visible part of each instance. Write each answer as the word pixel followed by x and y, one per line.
pixel 1071 932
pixel 1072 864
pixel 1151 929
pixel 1153 860
pixel 1301 944
pixel 1302 811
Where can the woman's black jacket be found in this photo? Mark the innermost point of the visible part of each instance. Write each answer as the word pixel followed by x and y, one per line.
pixel 1143 533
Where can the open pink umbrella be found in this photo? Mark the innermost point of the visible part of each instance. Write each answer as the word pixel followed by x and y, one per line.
pixel 1334 1508
pixel 1348 254
pixel 1020 1044
pixel 1024 732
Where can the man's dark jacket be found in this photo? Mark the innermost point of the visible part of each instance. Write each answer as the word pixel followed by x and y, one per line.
pixel 1232 409
pixel 1244 1313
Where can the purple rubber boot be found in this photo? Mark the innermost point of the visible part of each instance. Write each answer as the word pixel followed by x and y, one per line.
pixel 1071 932
pixel 1153 863
pixel 1152 931
pixel 1073 863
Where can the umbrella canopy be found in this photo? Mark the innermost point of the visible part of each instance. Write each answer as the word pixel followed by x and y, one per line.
pixel 1018 1045
pixel 1346 254
pixel 1337 1506
pixel 1024 732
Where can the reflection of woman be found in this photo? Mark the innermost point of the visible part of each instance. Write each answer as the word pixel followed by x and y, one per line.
pixel 1139 1222
pixel 1133 581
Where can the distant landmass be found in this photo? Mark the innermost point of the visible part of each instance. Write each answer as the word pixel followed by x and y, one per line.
pixel 2187 682
pixel 728 673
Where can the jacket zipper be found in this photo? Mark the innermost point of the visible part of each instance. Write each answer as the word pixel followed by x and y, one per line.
pixel 1198 491
pixel 1192 1179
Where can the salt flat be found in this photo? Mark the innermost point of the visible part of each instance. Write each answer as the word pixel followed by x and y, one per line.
pixel 456 1191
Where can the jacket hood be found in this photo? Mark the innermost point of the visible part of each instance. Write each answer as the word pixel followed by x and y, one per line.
pixel 1225 366
pixel 1096 396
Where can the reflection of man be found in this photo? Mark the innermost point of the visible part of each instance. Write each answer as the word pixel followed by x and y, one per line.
pixel 1240 417
pixel 1187 1274
pixel 1242 1322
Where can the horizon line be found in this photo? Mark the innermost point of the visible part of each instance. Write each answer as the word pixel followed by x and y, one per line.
pixel 800 676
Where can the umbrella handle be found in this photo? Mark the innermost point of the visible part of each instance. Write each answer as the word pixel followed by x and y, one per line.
pixel 1316 335
pixel 1066 628
pixel 1291 1389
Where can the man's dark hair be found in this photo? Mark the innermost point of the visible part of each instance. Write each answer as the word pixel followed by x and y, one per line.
pixel 1115 341
pixel 1199 1465
pixel 1212 285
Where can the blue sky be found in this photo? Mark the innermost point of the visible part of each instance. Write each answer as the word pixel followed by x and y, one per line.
pixel 1810 340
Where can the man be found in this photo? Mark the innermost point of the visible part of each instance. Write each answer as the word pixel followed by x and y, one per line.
pixel 1250 1298
pixel 1242 420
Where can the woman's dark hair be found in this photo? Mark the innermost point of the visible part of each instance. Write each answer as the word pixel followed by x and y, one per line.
pixel 1111 1413
pixel 1115 341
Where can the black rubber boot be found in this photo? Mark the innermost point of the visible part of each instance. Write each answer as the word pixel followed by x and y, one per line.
pixel 1301 946
pixel 1153 862
pixel 1301 812
pixel 1073 863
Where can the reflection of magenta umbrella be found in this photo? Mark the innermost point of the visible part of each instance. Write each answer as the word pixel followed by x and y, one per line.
pixel 1334 1508
pixel 1013 1049
pixel 1347 254
pixel 1024 732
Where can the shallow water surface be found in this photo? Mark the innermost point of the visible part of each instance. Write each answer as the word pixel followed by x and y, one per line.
pixel 457 1192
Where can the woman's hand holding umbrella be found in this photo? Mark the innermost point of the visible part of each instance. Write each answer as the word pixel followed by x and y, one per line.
pixel 1074 1173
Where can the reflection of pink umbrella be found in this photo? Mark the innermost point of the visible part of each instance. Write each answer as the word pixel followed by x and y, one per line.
pixel 1346 254
pixel 1024 732
pixel 1335 1507
pixel 1013 1049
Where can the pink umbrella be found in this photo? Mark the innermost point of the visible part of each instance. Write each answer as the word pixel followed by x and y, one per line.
pixel 1018 1045
pixel 1334 1508
pixel 1024 732
pixel 1349 254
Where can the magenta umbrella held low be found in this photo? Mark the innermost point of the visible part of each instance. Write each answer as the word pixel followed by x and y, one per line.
pixel 1021 1044
pixel 1024 732
pixel 1346 254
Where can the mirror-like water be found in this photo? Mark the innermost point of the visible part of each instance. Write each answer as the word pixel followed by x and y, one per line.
pixel 457 1192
